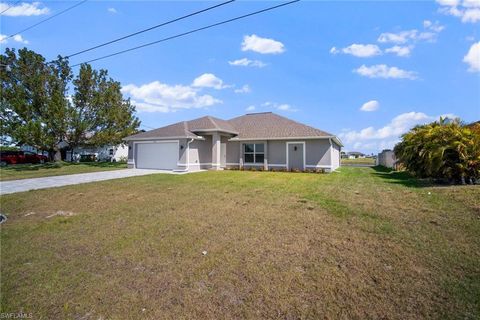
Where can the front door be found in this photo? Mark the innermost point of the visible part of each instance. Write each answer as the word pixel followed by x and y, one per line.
pixel 295 156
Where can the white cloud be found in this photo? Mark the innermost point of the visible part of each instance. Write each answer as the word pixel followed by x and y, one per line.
pixel 385 72
pixel 400 51
pixel 429 34
pixel 112 10
pixel 209 80
pixel 359 50
pixel 369 106
pixel 244 62
pixel 250 108
pixel 279 106
pixel 467 10
pixel 262 45
pixel 160 97
pixel 23 9
pixel 399 37
pixel 16 38
pixel 243 89
pixel 473 58
pixel 376 139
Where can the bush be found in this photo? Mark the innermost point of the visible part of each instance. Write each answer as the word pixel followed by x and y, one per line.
pixel 443 150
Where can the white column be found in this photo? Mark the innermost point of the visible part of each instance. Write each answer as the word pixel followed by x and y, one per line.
pixel 216 142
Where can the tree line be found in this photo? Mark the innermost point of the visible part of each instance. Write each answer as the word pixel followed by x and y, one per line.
pixel 44 105
pixel 445 150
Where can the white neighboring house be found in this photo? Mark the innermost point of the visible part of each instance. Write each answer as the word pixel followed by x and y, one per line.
pixel 106 153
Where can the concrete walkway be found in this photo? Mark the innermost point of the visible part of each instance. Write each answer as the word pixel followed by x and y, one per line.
pixel 22 185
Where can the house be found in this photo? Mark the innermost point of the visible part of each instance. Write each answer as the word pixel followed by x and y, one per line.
pixel 387 159
pixel 112 153
pixel 263 140
pixel 355 155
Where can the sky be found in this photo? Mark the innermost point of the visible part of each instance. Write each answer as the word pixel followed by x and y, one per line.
pixel 366 71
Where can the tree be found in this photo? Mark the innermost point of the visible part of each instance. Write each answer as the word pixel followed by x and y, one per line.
pixel 442 150
pixel 34 107
pixel 101 115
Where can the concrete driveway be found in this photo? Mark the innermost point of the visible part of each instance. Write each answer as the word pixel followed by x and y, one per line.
pixel 15 186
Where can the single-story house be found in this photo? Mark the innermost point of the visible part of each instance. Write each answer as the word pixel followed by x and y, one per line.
pixel 355 155
pixel 264 139
pixel 112 153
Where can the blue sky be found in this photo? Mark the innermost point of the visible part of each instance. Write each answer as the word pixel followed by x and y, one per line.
pixel 366 71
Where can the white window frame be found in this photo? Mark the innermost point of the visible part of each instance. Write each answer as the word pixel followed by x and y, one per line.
pixel 254 153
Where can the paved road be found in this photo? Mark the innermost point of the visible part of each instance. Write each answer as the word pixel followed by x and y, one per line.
pixel 14 186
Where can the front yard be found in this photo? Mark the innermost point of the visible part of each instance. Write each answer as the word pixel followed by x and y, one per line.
pixel 26 171
pixel 363 243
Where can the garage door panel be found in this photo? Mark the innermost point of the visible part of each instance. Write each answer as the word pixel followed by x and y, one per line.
pixel 160 155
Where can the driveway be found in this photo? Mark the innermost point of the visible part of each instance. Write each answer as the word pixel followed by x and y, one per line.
pixel 15 186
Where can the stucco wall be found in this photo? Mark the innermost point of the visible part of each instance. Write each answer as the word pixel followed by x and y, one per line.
pixel 277 152
pixel 201 151
pixel 318 152
pixel 233 152
pixel 335 156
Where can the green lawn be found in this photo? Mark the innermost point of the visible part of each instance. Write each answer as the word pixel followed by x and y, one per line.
pixel 26 171
pixel 369 161
pixel 363 243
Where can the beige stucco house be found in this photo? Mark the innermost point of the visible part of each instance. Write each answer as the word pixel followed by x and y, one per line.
pixel 265 140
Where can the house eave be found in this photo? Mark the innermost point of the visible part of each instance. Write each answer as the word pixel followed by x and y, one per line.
pixel 163 138
pixel 337 141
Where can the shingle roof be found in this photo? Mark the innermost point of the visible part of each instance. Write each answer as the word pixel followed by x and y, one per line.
pixel 209 123
pixel 176 130
pixel 268 125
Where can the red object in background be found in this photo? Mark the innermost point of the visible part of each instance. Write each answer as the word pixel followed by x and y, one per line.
pixel 17 157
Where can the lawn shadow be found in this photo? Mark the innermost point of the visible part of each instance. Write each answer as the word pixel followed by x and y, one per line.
pixel 400 177
pixel 57 165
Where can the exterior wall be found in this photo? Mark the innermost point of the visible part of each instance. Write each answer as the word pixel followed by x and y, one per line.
pixel 200 154
pixel 318 154
pixel 130 161
pixel 335 156
pixel 277 154
pixel 387 159
pixel 232 153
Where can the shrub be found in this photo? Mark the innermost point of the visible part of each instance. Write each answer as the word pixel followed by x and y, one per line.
pixel 443 150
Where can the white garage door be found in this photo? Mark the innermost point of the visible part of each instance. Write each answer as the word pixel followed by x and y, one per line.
pixel 160 155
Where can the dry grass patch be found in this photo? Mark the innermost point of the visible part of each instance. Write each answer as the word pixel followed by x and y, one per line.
pixel 346 245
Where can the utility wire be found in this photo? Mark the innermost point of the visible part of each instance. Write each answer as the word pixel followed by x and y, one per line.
pixel 10 6
pixel 49 18
pixel 149 29
pixel 188 32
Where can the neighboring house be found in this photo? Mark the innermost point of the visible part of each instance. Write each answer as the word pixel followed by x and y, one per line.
pixel 104 153
pixel 355 155
pixel 387 159
pixel 265 140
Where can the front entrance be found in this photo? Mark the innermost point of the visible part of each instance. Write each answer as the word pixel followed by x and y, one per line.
pixel 296 155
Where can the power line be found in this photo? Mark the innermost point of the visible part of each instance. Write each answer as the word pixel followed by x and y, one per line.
pixel 151 28
pixel 49 18
pixel 10 6
pixel 188 32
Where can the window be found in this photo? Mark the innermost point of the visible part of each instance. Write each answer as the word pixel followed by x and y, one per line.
pixel 254 152
pixel 110 152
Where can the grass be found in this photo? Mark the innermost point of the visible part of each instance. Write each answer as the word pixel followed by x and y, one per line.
pixel 26 171
pixel 361 244
pixel 369 161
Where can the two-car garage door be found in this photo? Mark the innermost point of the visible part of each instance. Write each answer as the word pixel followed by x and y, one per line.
pixel 157 155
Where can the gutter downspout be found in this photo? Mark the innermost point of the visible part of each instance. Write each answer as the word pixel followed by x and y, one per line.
pixel 187 167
